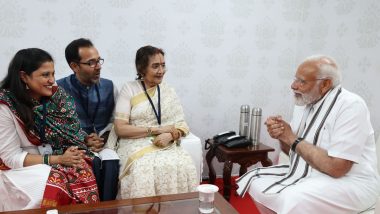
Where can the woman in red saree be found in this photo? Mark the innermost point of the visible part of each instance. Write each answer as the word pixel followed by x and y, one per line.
pixel 44 161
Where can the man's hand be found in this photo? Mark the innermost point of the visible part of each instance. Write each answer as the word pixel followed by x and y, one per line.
pixel 280 129
pixel 287 136
pixel 274 126
pixel 94 142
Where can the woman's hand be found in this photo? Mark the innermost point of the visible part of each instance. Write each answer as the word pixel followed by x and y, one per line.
pixel 162 129
pixel 163 140
pixel 72 157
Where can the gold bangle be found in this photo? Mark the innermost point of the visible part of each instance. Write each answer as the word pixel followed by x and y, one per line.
pixel 180 133
pixel 176 134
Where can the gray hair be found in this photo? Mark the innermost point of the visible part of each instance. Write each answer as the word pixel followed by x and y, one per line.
pixel 327 68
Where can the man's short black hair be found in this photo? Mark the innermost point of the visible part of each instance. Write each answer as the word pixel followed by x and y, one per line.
pixel 72 49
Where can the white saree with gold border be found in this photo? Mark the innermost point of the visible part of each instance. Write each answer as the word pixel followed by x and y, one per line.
pixel 147 170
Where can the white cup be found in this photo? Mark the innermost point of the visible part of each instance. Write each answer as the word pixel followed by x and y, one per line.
pixel 55 211
pixel 206 197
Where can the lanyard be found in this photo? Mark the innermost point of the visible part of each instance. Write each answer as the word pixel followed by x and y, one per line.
pixel 156 113
pixel 85 105
pixel 43 124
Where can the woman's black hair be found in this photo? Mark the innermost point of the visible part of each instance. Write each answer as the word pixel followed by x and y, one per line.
pixel 27 60
pixel 142 59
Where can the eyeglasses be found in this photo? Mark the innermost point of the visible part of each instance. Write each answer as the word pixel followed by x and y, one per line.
pixel 303 82
pixel 157 66
pixel 93 63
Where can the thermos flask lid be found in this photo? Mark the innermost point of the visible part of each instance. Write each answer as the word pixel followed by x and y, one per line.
pixel 244 108
pixel 256 111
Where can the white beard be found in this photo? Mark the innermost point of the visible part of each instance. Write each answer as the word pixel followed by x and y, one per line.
pixel 307 98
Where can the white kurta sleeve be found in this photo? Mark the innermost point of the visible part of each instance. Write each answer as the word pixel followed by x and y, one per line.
pixel 11 152
pixel 350 131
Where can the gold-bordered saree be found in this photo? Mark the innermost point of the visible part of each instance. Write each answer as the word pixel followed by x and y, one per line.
pixel 146 169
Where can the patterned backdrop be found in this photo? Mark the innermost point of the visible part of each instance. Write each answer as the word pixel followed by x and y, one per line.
pixel 220 53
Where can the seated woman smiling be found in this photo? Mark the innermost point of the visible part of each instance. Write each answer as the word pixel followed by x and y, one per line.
pixel 43 159
pixel 149 122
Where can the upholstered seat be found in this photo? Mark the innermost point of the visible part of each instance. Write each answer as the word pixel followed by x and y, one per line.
pixel 193 145
pixel 376 208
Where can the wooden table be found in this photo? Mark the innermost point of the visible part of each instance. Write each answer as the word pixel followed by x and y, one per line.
pixel 245 157
pixel 186 203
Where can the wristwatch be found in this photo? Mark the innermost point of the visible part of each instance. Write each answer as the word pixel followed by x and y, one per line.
pixel 295 143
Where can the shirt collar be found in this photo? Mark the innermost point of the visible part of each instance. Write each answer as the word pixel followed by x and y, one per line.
pixel 79 85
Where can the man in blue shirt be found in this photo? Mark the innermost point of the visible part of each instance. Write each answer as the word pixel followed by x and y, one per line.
pixel 95 101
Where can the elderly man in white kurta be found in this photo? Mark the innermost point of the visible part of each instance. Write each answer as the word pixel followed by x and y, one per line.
pixel 331 145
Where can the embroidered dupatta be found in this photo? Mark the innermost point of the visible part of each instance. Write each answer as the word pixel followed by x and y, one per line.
pixel 62 128
pixel 65 185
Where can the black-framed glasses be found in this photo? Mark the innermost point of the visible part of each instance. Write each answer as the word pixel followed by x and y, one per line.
pixel 93 63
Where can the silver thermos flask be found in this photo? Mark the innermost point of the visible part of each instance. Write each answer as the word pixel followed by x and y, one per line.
pixel 255 126
pixel 244 121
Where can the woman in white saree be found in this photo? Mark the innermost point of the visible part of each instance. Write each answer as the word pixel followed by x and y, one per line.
pixel 149 123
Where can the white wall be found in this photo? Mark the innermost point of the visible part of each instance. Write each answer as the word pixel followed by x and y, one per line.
pixel 220 54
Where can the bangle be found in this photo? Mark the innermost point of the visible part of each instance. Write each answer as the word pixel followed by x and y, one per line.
pixel 176 134
pixel 149 131
pixel 46 159
pixel 180 133
pixel 296 142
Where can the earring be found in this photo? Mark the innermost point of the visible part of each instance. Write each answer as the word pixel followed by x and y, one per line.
pixel 26 86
